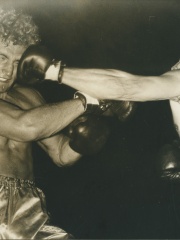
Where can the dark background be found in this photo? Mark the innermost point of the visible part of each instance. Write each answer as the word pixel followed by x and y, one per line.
pixel 116 193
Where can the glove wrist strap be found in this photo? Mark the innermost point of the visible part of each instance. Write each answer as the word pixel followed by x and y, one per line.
pixel 61 71
pixel 87 100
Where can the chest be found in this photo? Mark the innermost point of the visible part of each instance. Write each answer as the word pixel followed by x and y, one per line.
pixel 23 98
pixel 8 145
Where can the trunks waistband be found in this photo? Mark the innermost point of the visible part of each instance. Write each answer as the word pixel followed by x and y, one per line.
pixel 15 182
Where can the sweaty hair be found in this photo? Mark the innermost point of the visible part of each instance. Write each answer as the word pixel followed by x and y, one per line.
pixel 18 28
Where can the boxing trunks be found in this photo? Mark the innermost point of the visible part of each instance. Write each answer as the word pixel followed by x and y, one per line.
pixel 23 212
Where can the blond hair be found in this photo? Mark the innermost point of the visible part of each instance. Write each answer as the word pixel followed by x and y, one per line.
pixel 18 28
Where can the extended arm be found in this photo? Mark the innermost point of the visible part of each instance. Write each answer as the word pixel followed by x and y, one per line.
pixel 119 85
pixel 99 83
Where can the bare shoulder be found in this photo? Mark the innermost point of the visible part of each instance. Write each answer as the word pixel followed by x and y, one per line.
pixel 24 97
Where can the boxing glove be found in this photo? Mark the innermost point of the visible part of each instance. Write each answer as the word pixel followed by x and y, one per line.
pixel 92 105
pixel 33 65
pixel 123 110
pixel 168 161
pixel 88 134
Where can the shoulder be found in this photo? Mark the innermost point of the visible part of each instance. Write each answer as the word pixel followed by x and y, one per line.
pixel 24 97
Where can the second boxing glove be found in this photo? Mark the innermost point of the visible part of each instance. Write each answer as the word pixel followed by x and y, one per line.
pixel 123 110
pixel 88 134
pixel 92 105
pixel 168 161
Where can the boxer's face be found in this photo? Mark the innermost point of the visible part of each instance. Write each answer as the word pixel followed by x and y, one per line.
pixel 9 57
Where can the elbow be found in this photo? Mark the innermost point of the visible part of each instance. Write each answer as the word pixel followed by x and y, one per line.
pixel 66 162
pixel 62 155
pixel 27 135
pixel 59 162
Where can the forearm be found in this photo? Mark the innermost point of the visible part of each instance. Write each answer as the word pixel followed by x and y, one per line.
pixel 119 85
pixel 47 120
pixel 57 147
pixel 67 156
pixel 98 83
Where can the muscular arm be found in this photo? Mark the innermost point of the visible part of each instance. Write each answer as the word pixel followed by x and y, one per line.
pixel 58 149
pixel 56 146
pixel 39 122
pixel 120 85
pixel 35 65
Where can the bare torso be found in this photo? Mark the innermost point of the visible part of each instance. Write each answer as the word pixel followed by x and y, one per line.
pixel 16 157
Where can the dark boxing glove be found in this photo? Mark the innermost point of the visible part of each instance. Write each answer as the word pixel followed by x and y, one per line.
pixel 92 105
pixel 123 110
pixel 33 65
pixel 88 134
pixel 168 161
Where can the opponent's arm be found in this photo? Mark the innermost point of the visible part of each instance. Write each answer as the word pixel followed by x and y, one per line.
pixel 119 85
pixel 35 66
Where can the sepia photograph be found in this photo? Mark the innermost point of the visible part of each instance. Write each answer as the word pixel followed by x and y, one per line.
pixel 89 119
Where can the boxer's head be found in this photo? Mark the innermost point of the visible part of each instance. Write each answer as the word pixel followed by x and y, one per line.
pixel 18 28
pixel 17 32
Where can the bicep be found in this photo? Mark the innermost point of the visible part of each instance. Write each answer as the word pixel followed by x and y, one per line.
pixel 15 123
pixel 10 122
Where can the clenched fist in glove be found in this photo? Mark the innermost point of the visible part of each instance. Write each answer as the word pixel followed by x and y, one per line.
pixel 168 161
pixel 123 109
pixel 92 105
pixel 34 64
pixel 88 134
